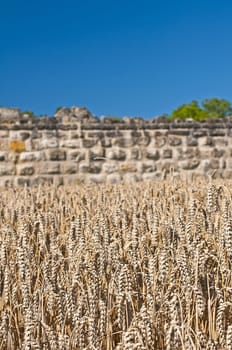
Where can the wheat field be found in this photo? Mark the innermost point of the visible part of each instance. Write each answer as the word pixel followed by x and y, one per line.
pixel 128 266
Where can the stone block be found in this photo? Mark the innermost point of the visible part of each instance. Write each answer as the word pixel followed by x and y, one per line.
pixel 110 168
pixel 41 180
pixel 69 168
pixel 24 135
pixel 88 143
pixel 174 141
pixel 188 153
pixel 96 179
pixel 4 133
pixel 22 181
pixel 6 181
pixel 152 176
pixel 217 132
pixel 124 142
pixel 199 133
pixel 91 168
pixel 7 169
pixel 106 142
pixel 31 156
pixel 127 167
pixel 152 154
pixel 220 141
pixel 76 155
pixel 4 145
pixel 17 146
pixel 160 141
pixel 189 164
pixel 208 164
pixel 25 169
pixel 134 154
pixel 191 141
pixel 217 153
pixel 73 179
pixel 70 143
pixel 56 154
pixel 167 166
pixel 49 168
pixel 115 154
pixel 97 154
pixel 96 134
pixel 3 156
pixel 129 178
pixel 113 178
pixel 48 143
pixel 146 167
pixel 167 153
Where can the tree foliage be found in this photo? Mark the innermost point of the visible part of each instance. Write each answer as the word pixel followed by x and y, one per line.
pixel 209 108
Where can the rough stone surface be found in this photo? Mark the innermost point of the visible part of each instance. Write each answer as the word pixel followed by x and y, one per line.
pixel 74 147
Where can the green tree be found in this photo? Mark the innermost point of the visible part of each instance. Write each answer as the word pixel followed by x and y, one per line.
pixel 191 110
pixel 30 114
pixel 216 107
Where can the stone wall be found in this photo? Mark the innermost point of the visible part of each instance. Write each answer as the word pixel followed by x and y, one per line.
pixel 74 146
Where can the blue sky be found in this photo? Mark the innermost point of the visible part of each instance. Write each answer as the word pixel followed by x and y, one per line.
pixel 136 58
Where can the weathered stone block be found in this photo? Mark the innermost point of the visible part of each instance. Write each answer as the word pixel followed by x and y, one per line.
pixel 217 153
pixel 116 154
pixel 189 164
pixel 75 179
pixel 77 155
pixel 129 178
pixel 124 142
pixel 110 168
pixel 31 156
pixel 70 143
pixel 7 169
pixel 207 164
pixel 22 181
pixel 17 146
pixel 174 141
pixel 127 167
pixel 88 143
pixel 3 156
pixel 6 181
pixel 49 168
pixel 69 168
pixel 25 169
pixel 56 154
pixel 167 166
pixel 106 142
pixel 146 167
pixel 179 132
pixel 4 145
pixel 152 176
pixel 4 133
pixel 24 135
pixel 167 153
pixel 219 141
pixel 191 141
pixel 152 154
pixel 135 154
pixel 113 178
pixel 48 143
pixel 96 134
pixel 160 141
pixel 97 179
pixel 217 132
pixel 41 180
pixel 97 154
pixel 188 153
pixel 199 133
pixel 91 168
